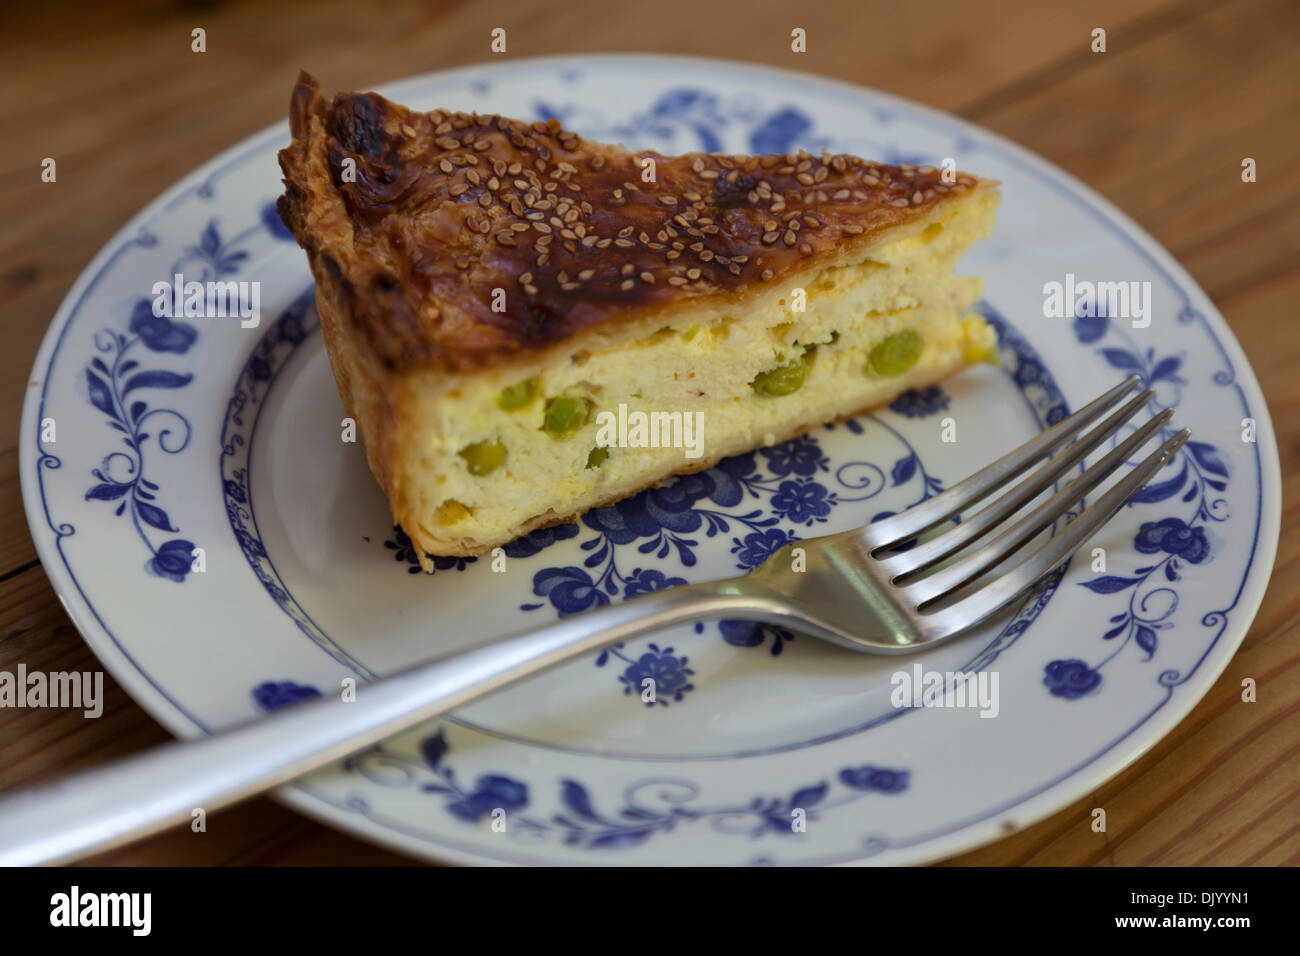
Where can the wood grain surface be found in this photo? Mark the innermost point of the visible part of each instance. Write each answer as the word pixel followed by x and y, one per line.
pixel 1159 124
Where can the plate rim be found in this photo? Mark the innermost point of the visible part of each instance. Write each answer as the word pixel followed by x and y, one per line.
pixel 156 700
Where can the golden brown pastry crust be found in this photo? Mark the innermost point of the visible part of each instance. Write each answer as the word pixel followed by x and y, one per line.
pixel 446 207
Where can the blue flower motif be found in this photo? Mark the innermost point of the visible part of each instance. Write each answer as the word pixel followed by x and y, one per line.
pixel 272 695
pixel 570 589
pixel 875 778
pixel 491 792
pixel 758 546
pixel 1070 679
pixel 1090 328
pixel 1173 536
pixel 801 502
pixel 173 560
pixel 800 456
pixel 918 403
pixel 159 333
pixel 273 223
pixel 669 673
pixel 644 581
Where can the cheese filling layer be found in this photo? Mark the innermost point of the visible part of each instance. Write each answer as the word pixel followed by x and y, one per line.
pixel 513 449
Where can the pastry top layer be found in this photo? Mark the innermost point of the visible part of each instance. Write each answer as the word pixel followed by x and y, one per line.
pixel 435 211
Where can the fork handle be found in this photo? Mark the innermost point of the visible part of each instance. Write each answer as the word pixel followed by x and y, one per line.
pixel 132 798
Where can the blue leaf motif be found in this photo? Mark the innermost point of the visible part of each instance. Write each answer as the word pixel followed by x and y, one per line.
pixel 1160 490
pixel 903 470
pixel 1208 458
pixel 433 748
pixel 619 838
pixel 100 395
pixel 107 492
pixel 155 516
pixel 1109 584
pixel 1146 639
pixel 1121 359
pixel 156 379
pixel 211 241
pixel 808 796
pixel 575 797
pixel 1167 369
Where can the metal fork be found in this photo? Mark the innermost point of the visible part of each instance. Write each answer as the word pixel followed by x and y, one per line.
pixel 899 585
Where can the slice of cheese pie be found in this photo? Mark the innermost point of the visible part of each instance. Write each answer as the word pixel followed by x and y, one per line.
pixel 505 304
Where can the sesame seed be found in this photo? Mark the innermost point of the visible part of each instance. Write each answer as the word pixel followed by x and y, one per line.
pixel 446 166
pixel 767 274
pixel 627 284
pixel 853 229
pixel 506 238
pixel 627 269
pixel 676 280
pixel 770 237
pixel 789 237
pixel 804 179
pixel 458 189
pixel 805 248
pixel 647 277
pixel 917 197
pixel 692 274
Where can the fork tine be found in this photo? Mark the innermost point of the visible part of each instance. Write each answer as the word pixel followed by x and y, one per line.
pixel 1021 532
pixel 996 595
pixel 980 485
pixel 980 524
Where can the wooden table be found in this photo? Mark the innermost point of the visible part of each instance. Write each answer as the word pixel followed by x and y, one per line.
pixel 1159 124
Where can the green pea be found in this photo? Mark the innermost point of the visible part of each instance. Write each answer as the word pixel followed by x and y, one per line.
pixel 783 379
pixel 896 354
pixel 565 415
pixel 483 457
pixel 518 395
pixel 597 457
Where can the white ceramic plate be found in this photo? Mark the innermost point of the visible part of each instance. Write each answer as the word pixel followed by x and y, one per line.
pixel 176 435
